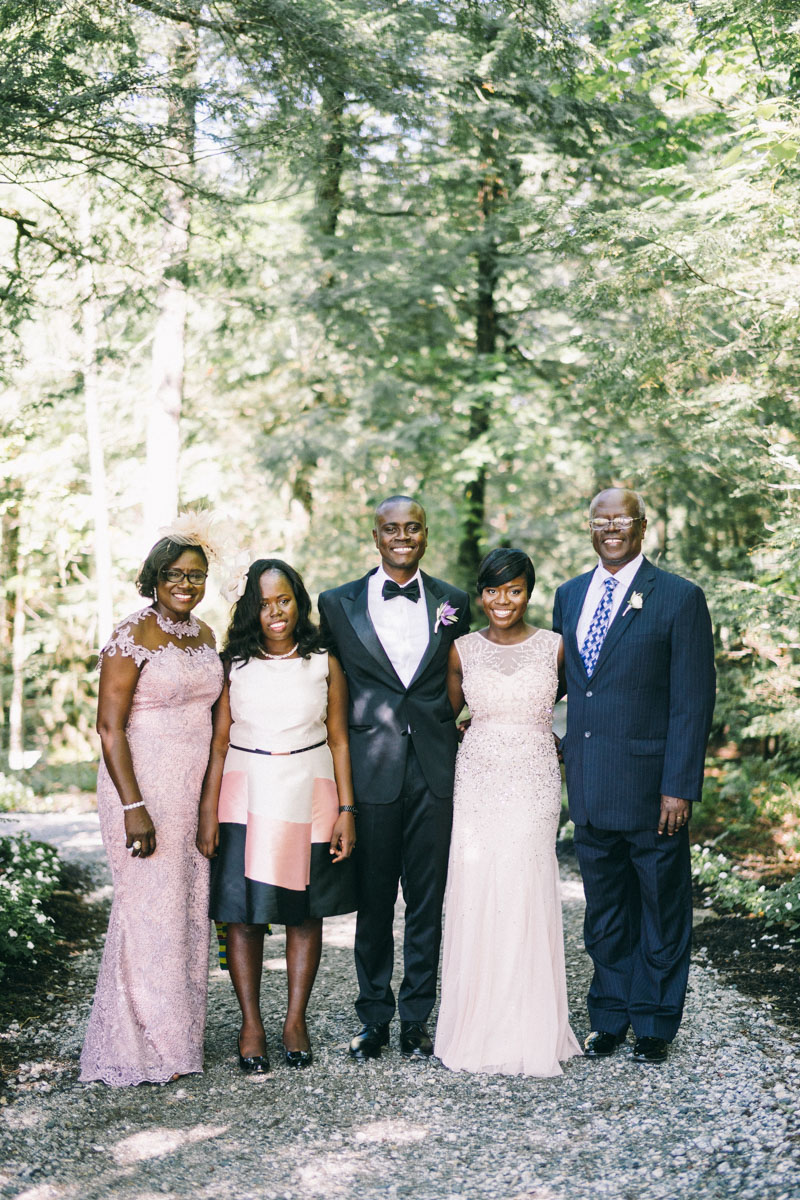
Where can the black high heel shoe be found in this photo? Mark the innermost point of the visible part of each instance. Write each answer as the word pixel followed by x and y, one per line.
pixel 256 1064
pixel 298 1058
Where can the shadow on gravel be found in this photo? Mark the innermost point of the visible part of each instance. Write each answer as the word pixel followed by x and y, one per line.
pixel 760 961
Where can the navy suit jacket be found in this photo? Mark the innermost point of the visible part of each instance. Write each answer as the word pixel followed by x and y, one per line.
pixel 382 709
pixel 638 728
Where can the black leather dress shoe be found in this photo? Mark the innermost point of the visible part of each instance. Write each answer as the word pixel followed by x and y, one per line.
pixel 298 1058
pixel 256 1064
pixel 368 1041
pixel 600 1044
pixel 415 1041
pixel 650 1050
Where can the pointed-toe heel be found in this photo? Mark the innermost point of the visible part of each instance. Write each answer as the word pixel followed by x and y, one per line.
pixel 253 1064
pixel 298 1058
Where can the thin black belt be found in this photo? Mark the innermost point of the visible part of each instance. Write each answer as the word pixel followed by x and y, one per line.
pixel 278 753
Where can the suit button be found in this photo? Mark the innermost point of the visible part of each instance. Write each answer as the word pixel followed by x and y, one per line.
pixel 588 694
pixel 587 734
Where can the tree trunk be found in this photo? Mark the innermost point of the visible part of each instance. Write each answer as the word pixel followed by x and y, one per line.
pixel 490 192
pixel 329 189
pixel 16 737
pixel 97 473
pixel 169 350
pixel 8 564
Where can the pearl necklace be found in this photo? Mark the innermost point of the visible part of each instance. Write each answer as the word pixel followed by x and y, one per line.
pixel 288 653
pixel 179 629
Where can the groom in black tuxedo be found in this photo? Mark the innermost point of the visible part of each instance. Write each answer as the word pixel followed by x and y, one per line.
pixel 391 631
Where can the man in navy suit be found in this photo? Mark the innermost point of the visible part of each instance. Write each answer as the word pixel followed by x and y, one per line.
pixel 391 631
pixel 640 681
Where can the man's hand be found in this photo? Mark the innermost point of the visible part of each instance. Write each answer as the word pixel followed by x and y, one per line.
pixel 675 814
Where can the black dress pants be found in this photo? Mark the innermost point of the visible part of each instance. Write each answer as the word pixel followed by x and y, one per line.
pixel 409 841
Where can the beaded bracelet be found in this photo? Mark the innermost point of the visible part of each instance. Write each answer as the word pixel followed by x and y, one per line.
pixel 138 804
pixel 351 808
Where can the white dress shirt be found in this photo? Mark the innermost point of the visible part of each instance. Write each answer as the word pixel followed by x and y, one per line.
pixel 624 578
pixel 401 625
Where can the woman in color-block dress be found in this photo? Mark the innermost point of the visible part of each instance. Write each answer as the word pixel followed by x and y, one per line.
pixel 277 814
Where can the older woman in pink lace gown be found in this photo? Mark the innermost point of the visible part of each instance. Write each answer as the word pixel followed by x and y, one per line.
pixel 159 677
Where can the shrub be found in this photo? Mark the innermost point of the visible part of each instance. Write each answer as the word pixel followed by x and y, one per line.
pixel 729 890
pixel 15 796
pixel 29 872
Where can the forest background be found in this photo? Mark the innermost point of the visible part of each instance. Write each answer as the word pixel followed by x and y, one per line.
pixel 279 258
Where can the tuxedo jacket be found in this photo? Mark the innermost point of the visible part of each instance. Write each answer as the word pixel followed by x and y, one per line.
pixel 638 728
pixel 383 711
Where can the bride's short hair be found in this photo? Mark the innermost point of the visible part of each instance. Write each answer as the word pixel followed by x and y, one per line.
pixel 503 564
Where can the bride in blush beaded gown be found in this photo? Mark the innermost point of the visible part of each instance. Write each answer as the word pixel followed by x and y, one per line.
pixel 160 675
pixel 504 995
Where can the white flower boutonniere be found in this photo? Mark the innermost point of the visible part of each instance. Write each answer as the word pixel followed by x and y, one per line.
pixel 445 615
pixel 636 601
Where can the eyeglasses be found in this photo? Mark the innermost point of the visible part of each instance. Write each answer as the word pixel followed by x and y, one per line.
pixel 598 524
pixel 173 575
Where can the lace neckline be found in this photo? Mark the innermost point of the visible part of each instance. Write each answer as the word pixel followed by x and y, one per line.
pixel 507 645
pixel 179 629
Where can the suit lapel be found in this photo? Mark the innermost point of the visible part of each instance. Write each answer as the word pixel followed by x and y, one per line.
pixel 642 582
pixel 433 598
pixel 357 612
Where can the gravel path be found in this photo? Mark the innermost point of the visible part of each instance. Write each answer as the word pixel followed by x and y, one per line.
pixel 720 1119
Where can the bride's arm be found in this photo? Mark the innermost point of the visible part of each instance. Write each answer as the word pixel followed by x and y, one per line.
pixel 455 690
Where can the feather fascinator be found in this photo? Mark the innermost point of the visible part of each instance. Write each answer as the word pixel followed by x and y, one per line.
pixel 194 529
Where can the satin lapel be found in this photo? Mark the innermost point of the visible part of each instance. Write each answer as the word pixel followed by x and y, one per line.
pixel 357 612
pixel 573 615
pixel 432 600
pixel 643 582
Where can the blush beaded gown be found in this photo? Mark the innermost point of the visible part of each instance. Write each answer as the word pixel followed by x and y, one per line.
pixel 148 1016
pixel 504 994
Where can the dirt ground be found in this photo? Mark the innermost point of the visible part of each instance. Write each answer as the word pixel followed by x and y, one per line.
pixel 762 963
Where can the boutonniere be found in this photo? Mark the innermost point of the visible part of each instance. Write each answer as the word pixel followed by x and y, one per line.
pixel 445 615
pixel 636 601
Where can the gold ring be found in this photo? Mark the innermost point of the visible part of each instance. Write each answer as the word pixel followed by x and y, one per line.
pixel 136 846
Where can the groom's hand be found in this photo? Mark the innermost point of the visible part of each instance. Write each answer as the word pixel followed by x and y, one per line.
pixel 675 813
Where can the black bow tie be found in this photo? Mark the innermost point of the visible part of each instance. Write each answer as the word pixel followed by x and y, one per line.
pixel 392 589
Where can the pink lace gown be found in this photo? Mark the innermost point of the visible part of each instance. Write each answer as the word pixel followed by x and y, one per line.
pixel 504 991
pixel 148 1016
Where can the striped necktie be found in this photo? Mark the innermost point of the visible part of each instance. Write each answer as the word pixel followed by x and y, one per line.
pixel 595 634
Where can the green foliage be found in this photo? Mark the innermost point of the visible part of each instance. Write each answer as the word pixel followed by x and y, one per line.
pixel 15 796
pixel 751 806
pixel 500 254
pixel 29 872
pixel 730 891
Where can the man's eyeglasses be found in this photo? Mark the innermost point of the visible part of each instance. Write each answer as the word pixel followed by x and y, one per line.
pixel 598 524
pixel 173 575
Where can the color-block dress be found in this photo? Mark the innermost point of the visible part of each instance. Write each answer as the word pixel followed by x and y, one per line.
pixel 278 801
